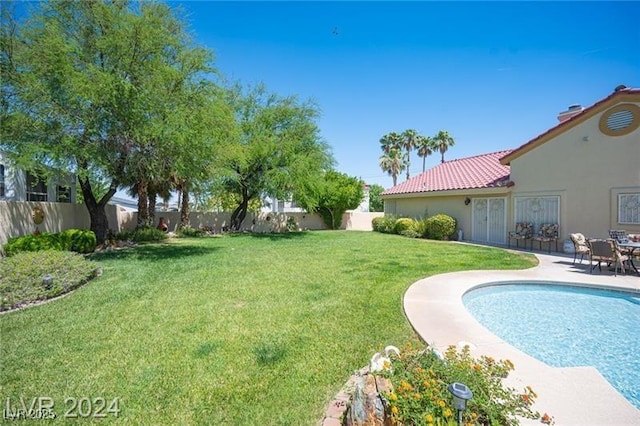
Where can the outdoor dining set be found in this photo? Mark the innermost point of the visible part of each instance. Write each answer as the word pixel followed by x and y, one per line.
pixel 618 251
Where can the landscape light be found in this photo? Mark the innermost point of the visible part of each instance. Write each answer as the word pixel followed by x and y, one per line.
pixel 461 394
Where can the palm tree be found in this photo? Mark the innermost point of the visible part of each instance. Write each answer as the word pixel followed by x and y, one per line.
pixel 409 141
pixel 425 146
pixel 392 163
pixel 443 141
pixel 391 141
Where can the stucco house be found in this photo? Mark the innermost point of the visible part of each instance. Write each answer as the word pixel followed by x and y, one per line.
pixel 20 185
pixel 583 174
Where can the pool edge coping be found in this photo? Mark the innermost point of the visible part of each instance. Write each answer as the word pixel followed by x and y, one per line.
pixel 573 395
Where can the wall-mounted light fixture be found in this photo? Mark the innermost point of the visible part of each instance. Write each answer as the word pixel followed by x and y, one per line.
pixel 467 201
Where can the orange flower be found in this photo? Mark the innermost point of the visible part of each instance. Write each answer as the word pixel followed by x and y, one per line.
pixel 546 419
pixel 417 396
pixel 426 383
pixel 525 398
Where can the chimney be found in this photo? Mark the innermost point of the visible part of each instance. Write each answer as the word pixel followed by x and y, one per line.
pixel 574 109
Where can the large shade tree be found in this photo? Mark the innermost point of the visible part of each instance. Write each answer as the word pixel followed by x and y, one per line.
pixel 94 87
pixel 277 150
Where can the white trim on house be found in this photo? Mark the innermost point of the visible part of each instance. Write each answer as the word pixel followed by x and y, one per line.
pixel 16 185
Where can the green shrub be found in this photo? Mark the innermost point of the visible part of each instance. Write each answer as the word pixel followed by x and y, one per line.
pixel 188 231
pixel 78 240
pixel 142 234
pixel 376 223
pixel 440 227
pixel 21 276
pixel 420 396
pixel 411 233
pixel 403 224
pixel 32 242
pixel 384 224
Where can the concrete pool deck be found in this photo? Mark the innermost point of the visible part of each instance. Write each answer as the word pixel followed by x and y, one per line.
pixel 573 396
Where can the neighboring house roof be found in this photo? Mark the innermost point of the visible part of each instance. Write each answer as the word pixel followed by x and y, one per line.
pixel 622 95
pixel 480 171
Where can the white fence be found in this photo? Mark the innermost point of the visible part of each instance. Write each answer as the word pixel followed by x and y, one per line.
pixel 16 218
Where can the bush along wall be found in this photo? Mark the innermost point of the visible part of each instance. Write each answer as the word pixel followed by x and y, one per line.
pixel 78 240
pixel 437 227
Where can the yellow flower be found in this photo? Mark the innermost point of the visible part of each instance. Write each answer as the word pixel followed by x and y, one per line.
pixel 386 365
pixel 404 385
pixel 394 410
pixel 429 418
pixel 426 383
pixel 441 404
pixel 447 412
pixel 393 396
pixel 417 396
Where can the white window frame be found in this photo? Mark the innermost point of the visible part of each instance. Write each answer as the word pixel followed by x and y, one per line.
pixel 30 190
pixel 520 200
pixel 633 217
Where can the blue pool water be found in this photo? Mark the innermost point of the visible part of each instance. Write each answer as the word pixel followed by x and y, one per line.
pixel 566 326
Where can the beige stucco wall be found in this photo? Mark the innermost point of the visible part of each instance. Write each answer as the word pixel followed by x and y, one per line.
pixel 587 169
pixel 16 219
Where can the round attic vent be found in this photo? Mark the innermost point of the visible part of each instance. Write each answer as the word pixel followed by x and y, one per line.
pixel 620 120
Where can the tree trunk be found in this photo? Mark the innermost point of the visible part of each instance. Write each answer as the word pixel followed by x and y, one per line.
pixel 97 213
pixel 424 159
pixel 152 208
pixel 143 206
pixel 240 213
pixel 184 208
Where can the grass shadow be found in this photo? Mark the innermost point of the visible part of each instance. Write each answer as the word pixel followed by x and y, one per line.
pixel 278 236
pixel 154 252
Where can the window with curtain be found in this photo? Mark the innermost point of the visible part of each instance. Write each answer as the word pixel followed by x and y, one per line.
pixel 629 208
pixel 537 210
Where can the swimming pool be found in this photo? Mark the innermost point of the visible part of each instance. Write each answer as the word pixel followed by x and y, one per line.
pixel 567 326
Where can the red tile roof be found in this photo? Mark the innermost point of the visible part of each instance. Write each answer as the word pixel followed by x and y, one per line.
pixel 481 171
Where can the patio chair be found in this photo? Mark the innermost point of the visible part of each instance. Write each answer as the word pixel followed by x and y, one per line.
pixel 580 246
pixel 547 234
pixel 607 251
pixel 524 231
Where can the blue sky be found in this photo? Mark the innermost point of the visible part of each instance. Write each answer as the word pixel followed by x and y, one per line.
pixel 494 75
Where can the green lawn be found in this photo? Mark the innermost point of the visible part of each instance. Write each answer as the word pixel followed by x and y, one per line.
pixel 237 330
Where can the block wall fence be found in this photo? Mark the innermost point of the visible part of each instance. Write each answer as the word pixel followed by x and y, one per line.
pixel 16 218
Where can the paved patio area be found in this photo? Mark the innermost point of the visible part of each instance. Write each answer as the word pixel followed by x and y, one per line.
pixel 573 396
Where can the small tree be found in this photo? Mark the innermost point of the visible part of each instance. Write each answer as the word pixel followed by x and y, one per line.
pixel 334 195
pixel 375 202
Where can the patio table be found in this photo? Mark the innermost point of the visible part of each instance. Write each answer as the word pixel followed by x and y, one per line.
pixel 632 247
